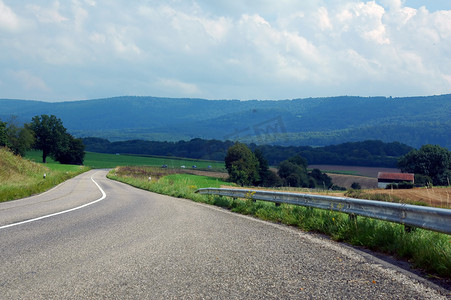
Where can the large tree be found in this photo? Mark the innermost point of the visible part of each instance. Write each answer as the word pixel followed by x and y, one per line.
pixel 293 174
pixel 54 141
pixel 20 139
pixel 73 154
pixel 242 165
pixel 430 160
pixel 50 135
pixel 17 139
pixel 266 176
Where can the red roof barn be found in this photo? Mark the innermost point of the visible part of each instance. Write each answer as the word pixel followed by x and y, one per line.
pixel 384 178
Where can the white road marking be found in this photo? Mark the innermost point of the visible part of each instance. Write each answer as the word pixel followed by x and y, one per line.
pixel 61 212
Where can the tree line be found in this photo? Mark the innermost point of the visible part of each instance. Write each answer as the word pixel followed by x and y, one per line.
pixel 45 133
pixel 431 165
pixel 367 153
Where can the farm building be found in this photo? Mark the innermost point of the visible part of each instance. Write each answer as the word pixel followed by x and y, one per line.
pixel 384 178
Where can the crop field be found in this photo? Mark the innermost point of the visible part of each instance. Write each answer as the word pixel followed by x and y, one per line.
pixel 345 176
pixel 353 170
pixel 105 161
pixel 100 160
pixel 435 196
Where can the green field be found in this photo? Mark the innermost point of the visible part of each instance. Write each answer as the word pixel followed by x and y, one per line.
pixel 106 161
pixel 196 181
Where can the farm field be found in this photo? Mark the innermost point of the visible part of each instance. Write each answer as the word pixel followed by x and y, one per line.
pixel 345 176
pixel 353 170
pixel 436 196
pixel 103 161
pixel 347 180
pixel 341 175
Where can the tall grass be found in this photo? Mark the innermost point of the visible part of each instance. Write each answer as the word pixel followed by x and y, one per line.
pixel 165 181
pixel 21 177
pixel 425 249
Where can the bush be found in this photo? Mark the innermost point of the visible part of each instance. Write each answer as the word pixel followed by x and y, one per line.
pixel 337 188
pixel 356 186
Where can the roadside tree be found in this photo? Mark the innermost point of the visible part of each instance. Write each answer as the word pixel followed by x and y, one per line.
pixel 266 176
pixel 54 141
pixel 432 161
pixel 17 139
pixel 242 165
pixel 293 174
pixel 74 154
pixel 320 179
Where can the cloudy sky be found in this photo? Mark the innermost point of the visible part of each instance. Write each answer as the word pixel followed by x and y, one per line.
pixel 224 49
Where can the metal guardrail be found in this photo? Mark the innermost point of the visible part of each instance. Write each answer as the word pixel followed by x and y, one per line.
pixel 436 219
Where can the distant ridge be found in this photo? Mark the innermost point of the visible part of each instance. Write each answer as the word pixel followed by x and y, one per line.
pixel 312 121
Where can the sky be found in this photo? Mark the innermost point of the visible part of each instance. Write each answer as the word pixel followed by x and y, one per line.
pixel 224 49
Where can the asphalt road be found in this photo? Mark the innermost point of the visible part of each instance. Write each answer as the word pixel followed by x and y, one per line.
pixel 133 244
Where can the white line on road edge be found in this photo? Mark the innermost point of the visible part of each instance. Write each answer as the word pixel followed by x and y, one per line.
pixel 61 212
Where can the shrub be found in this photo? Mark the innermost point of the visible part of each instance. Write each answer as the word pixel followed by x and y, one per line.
pixel 356 186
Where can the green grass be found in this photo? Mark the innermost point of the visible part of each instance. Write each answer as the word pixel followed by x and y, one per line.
pixel 164 181
pixel 56 172
pixel 106 161
pixel 21 178
pixel 425 249
pixel 101 161
pixel 196 181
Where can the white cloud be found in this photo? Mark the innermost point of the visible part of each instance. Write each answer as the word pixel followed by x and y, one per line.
pixel 29 81
pixel 230 49
pixel 8 19
pixel 179 86
pixel 47 15
pixel 323 17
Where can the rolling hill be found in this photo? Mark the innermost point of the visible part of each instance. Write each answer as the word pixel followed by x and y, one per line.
pixel 314 121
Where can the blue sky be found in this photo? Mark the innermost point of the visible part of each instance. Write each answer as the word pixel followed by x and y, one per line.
pixel 225 49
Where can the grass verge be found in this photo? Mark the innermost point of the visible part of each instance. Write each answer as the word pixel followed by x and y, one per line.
pixel 21 178
pixel 424 249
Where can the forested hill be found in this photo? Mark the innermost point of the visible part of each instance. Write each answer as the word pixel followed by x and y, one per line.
pixel 314 121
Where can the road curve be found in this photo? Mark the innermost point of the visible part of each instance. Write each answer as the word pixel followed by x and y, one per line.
pixel 139 245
